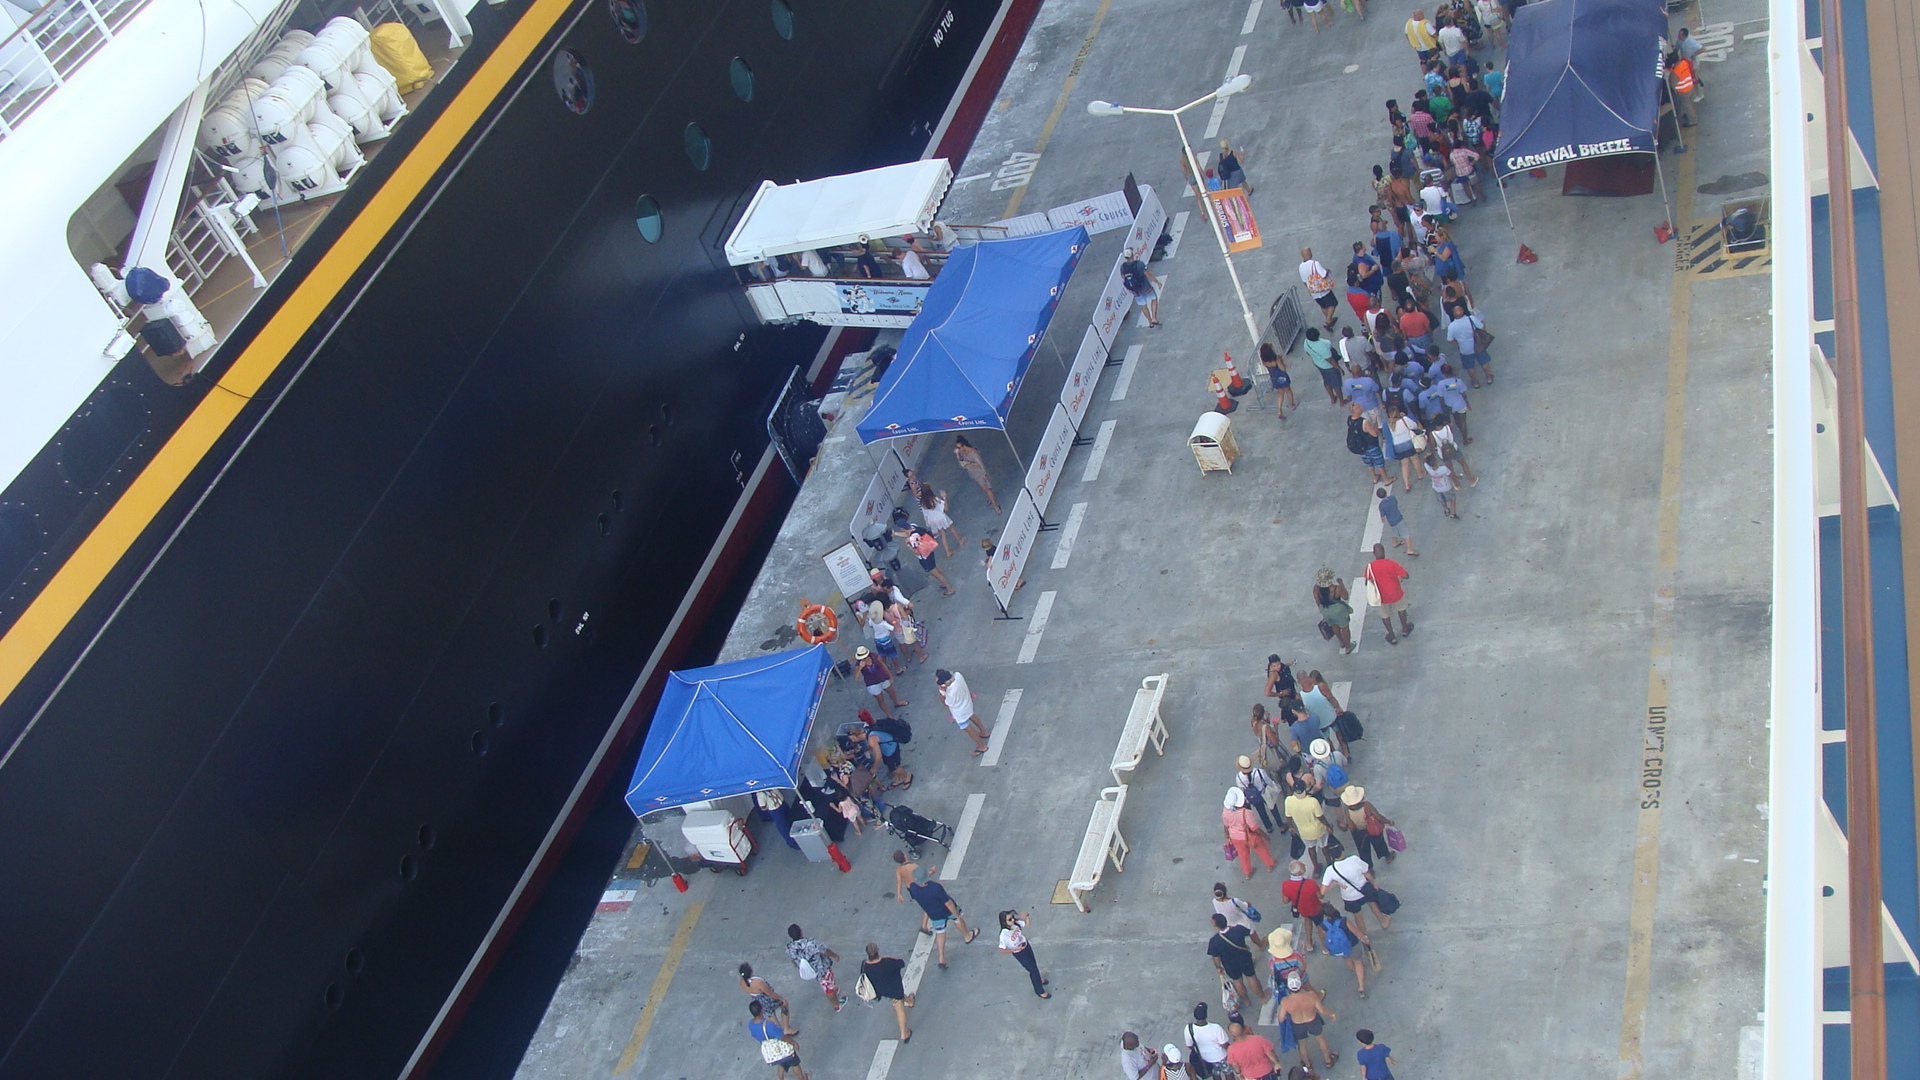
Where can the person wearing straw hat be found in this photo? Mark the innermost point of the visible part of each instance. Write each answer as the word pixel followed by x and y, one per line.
pixel 1369 826
pixel 1244 833
pixel 1254 783
pixel 1283 960
pixel 1309 822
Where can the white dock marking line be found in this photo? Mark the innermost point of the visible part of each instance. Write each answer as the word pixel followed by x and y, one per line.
pixel 1176 230
pixel 971 179
pixel 1374 528
pixel 1341 690
pixel 1165 281
pixel 882 1059
pixel 962 836
pixel 1357 599
pixel 1101 440
pixel 1002 723
pixel 1253 16
pixel 1220 105
pixel 1069 533
pixel 1037 625
pixel 917 963
pixel 1125 378
pixel 1270 1012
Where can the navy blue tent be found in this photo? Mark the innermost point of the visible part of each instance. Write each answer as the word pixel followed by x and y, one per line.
pixel 962 360
pixel 730 729
pixel 1583 80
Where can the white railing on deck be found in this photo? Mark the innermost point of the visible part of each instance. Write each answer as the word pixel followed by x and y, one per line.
pixel 41 54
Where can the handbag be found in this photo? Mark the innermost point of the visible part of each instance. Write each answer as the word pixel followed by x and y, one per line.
pixel 1419 441
pixel 775 1050
pixel 1247 909
pixel 1396 840
pixel 1326 630
pixel 863 989
pixel 1229 1000
pixel 1373 590
pixel 1230 851
pixel 1482 338
pixel 1381 898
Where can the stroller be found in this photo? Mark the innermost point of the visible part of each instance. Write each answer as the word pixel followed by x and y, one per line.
pixel 914 830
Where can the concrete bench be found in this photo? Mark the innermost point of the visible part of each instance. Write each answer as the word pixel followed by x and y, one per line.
pixel 1143 723
pixel 1103 844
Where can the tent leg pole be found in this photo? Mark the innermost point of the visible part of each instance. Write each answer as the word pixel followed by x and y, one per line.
pixel 1661 171
pixel 1021 465
pixel 1504 204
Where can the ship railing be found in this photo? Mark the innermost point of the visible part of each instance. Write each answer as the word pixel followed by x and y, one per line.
pixel 49 46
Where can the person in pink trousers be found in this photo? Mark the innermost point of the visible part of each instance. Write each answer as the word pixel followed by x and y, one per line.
pixel 1244 832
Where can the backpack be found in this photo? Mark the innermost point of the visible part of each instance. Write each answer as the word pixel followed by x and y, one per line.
pixel 1339 938
pixel 1133 275
pixel 805 969
pixel 891 727
pixel 1358 441
pixel 1336 776
pixel 1348 725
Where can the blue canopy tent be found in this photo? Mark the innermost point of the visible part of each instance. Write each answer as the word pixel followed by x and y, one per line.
pixel 729 729
pixel 1583 81
pixel 962 360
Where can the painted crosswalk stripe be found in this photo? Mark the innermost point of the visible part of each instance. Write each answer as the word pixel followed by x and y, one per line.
pixel 1253 16
pixel 1068 534
pixel 962 836
pixel 1036 626
pixel 1372 529
pixel 1125 378
pixel 1100 444
pixel 917 964
pixel 882 1059
pixel 1220 105
pixel 1002 724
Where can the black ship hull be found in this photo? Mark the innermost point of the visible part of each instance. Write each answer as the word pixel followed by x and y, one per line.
pixel 275 792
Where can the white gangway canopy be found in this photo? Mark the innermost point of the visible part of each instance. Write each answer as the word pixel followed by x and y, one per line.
pixel 891 201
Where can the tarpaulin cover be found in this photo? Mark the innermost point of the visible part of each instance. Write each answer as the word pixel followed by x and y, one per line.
pixel 730 729
pixel 1583 80
pixel 962 360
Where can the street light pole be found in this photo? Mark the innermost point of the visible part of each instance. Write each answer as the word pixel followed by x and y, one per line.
pixel 1230 87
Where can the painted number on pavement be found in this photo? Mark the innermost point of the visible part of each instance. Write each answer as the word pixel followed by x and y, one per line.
pixel 1015 171
pixel 1716 41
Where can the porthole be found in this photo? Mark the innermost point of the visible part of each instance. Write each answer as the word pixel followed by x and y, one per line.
pixel 648 218
pixel 409 868
pixel 653 435
pixel 699 147
pixel 480 744
pixel 606 525
pixel 618 500
pixel 427 837
pixel 573 81
pixel 356 962
pixel 496 715
pixel 553 610
pixel 783 19
pixel 741 76
pixel 630 18
pixel 540 636
pixel 666 415
pixel 335 996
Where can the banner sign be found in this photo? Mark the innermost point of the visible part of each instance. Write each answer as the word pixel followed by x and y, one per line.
pixel 848 569
pixel 1077 393
pixel 1148 224
pixel 1009 558
pixel 1049 458
pixel 1097 215
pixel 1111 311
pixel 885 491
pixel 1234 214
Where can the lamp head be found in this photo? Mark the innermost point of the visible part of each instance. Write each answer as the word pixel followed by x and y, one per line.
pixel 1104 108
pixel 1234 85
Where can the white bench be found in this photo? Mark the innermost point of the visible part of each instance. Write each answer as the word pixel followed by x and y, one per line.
pixel 1143 723
pixel 1103 844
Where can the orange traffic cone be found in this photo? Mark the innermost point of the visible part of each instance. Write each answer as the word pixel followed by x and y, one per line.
pixel 1663 232
pixel 1225 404
pixel 1237 386
pixel 1527 255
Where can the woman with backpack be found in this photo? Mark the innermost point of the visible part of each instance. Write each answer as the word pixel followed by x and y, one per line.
pixel 1369 826
pixel 1343 943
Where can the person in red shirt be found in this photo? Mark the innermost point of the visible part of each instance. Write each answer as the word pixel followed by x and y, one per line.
pixel 1415 326
pixel 1252 1054
pixel 1303 893
pixel 1389 578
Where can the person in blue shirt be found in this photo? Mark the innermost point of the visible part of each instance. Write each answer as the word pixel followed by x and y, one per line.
pixel 764 1031
pixel 1453 391
pixel 1361 389
pixel 1375 1059
pixel 1395 521
pixel 1432 402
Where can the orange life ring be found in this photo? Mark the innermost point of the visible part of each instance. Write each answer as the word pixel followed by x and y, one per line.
pixel 817 624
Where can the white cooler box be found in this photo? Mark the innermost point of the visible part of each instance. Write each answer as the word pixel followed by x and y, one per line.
pixel 718 835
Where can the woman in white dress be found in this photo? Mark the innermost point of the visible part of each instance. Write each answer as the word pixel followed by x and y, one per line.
pixel 933 507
